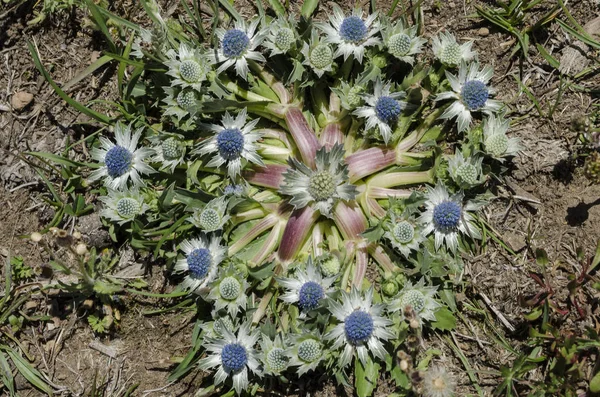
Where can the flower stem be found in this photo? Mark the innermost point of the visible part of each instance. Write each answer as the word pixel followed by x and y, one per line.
pixel 369 161
pixel 297 229
pixel 331 134
pixel 259 228
pixel 392 179
pixel 384 260
pixel 362 260
pixel 270 244
pixel 350 220
pixel 276 85
pixel 303 135
pixel 269 176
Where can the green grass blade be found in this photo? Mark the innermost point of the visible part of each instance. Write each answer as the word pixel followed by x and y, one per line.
pixel 61 160
pixel 551 60
pixel 78 106
pixel 585 38
pixel 87 71
pixel 309 7
pixel 277 7
pixel 232 11
pixel 124 22
pixel 32 375
pixel 100 20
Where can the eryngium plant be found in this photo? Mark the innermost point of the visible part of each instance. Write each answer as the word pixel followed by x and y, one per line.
pixel 292 157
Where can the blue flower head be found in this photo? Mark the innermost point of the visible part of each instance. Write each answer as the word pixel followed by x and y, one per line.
pixel 234 357
pixel 475 94
pixel 446 215
pixel 309 296
pixel 230 143
pixel 235 43
pixel 199 261
pixel 387 109
pixel 353 29
pixel 118 161
pixel 358 326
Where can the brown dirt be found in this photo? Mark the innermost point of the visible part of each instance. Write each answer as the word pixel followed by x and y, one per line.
pixel 568 215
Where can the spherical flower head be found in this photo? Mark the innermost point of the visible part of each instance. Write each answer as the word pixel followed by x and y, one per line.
pixel 321 56
pixel 230 142
pixel 199 261
pixel 284 38
pixel 437 382
pixel 277 359
pixel 171 149
pixel 358 327
pixel 475 94
pixel 128 207
pixel 309 295
pixel 399 45
pixel 468 173
pixel 353 29
pixel 309 350
pixel 191 71
pixel 446 215
pixel 224 323
pixel 354 98
pixel 404 232
pixel 186 99
pixel 235 43
pixel 451 54
pixel 387 109
pixel 413 298
pixel 230 288
pixel 321 185
pixel 234 357
pixel 118 161
pixel 209 219
pixel 390 288
pixel 330 266
pixel 496 144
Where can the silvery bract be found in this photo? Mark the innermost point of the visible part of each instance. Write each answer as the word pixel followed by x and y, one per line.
pixel 401 41
pixel 123 206
pixel 318 55
pixel 416 298
pixel 201 262
pixel 495 141
pixel 449 52
pixel 188 67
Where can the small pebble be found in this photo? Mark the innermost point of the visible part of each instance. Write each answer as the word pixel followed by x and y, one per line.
pixel 483 32
pixel 20 100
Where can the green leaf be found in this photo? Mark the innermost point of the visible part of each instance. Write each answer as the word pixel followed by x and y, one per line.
pixel 100 21
pixel 444 320
pixel 595 383
pixel 585 38
pixel 277 7
pixel 87 71
pixel 541 257
pixel 551 60
pixel 308 7
pixel 32 375
pixel 365 377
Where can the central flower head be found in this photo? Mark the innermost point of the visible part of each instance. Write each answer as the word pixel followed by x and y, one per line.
pixel 358 327
pixel 118 161
pixel 399 44
pixel 128 207
pixel 321 186
pixel 353 29
pixel 191 71
pixel 186 99
pixel 199 261
pixel 496 144
pixel 468 173
pixel 415 299
pixel 446 215
pixel 404 232
pixel 309 296
pixel 235 43
pixel 230 288
pixel 321 56
pixel 309 350
pixel 451 54
pixel 171 149
pixel 230 143
pixel 475 94
pixel 210 219
pixel 277 359
pixel 284 38
pixel 234 357
pixel 387 109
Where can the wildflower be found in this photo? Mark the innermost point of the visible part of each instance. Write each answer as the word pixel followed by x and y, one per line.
pixel 466 171
pixel 237 46
pixel 329 264
pixel 383 109
pixel 274 356
pixel 234 355
pixel 350 94
pixel 317 55
pixel 282 36
pixel 215 328
pixel 446 217
pixel 438 382
pixel 322 187
pixel 495 141
pixel 233 142
pixel 181 102
pixel 306 352
pixel 213 216
pixel 238 190
pixel 361 327
pixel 229 291
pixel 403 232
pixel 121 161
pixel 202 258
pixel 188 67
pixel 417 298
pixel 471 93
pixel 169 150
pixel 123 206
pixel 449 52
pixel 352 34
pixel 402 42
pixel 307 288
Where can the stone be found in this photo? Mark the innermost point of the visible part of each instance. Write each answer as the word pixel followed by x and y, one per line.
pixel 20 100
pixel 483 32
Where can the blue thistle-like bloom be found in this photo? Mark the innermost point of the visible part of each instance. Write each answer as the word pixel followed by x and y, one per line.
pixel 309 296
pixel 235 43
pixel 234 357
pixel 474 94
pixel 387 109
pixel 230 143
pixel 353 29
pixel 118 161
pixel 199 261
pixel 446 215
pixel 358 327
